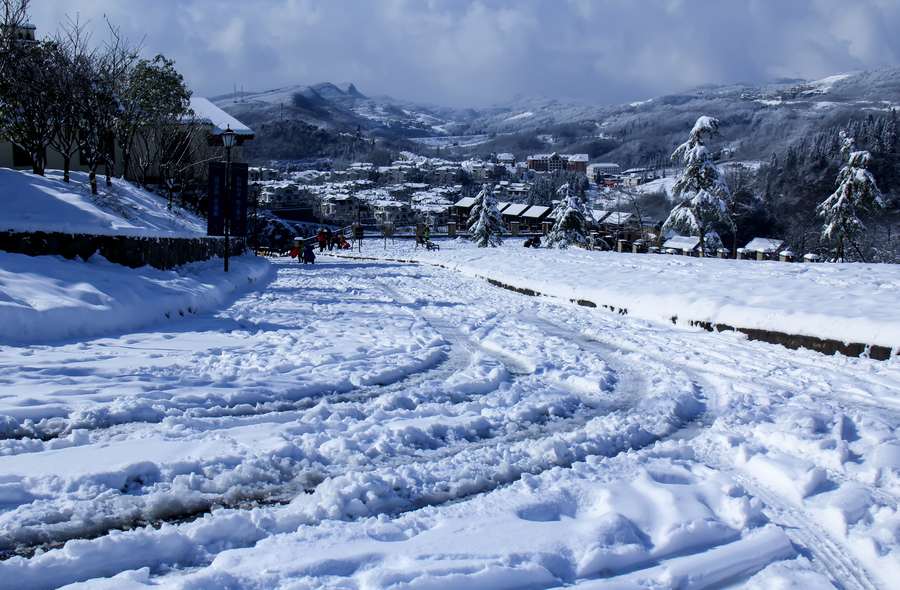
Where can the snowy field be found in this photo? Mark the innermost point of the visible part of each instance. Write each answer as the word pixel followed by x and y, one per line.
pixel 402 423
pixel 373 424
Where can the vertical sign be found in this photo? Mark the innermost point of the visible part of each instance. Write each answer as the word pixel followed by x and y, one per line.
pixel 240 175
pixel 215 220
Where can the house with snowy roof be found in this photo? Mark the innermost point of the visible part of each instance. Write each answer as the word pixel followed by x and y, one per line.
pixel 533 218
pixel 761 248
pixel 280 194
pixel 389 211
pixel 513 190
pixel 513 214
pixel 459 212
pixel 598 170
pixel 618 226
pixel 681 245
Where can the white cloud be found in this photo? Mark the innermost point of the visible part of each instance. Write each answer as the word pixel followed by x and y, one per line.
pixel 476 52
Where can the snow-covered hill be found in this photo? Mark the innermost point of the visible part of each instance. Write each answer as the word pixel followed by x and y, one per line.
pixel 754 117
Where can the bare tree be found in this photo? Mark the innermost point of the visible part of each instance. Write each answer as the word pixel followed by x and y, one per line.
pixel 13 16
pixel 71 42
pixel 632 198
pixel 26 111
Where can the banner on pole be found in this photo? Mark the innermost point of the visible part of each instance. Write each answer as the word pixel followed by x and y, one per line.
pixel 240 175
pixel 215 217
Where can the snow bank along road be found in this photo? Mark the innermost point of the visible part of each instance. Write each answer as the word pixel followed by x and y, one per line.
pixel 362 424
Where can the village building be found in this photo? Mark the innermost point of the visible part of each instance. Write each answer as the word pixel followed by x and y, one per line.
pixel 340 207
pixel 275 195
pixel 761 249
pixel 394 213
pixel 262 174
pixel 459 212
pixel 558 162
pixel 533 218
pixel 597 171
pixel 686 245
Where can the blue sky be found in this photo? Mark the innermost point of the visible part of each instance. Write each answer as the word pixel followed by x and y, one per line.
pixel 468 53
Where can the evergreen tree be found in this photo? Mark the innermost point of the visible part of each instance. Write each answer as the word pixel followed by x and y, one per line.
pixel 701 187
pixel 485 222
pixel 571 225
pixel 540 191
pixel 856 194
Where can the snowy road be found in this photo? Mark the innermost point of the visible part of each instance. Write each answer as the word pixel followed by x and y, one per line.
pixel 368 424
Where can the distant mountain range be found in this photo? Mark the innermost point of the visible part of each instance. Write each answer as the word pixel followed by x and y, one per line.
pixel 756 120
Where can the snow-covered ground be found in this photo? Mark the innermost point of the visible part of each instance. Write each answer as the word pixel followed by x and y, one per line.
pixel 45 203
pixel 396 421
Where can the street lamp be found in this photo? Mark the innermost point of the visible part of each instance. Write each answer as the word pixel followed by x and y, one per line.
pixel 228 137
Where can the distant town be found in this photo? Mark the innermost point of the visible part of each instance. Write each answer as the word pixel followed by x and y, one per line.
pixel 436 192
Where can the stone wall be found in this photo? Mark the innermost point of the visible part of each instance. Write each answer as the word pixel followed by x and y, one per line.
pixel 162 253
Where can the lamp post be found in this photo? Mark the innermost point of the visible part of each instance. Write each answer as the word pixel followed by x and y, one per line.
pixel 228 137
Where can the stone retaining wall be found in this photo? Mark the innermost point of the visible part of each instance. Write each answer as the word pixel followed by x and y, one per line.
pixel 158 252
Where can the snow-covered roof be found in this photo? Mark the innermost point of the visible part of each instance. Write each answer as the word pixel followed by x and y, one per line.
pixel 515 209
pixel 764 245
pixel 682 242
pixel 617 217
pixel 465 202
pixel 536 211
pixel 207 112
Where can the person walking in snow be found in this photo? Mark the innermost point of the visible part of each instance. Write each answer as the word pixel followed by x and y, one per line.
pixel 420 239
pixel 329 238
pixel 320 237
pixel 309 255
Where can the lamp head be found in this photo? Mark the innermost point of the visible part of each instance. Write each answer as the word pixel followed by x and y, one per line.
pixel 228 137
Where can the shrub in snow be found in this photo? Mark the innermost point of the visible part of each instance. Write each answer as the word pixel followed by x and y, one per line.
pixel 485 221
pixel 703 192
pixel 856 193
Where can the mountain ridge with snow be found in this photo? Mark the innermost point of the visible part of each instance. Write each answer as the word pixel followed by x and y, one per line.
pixel 752 116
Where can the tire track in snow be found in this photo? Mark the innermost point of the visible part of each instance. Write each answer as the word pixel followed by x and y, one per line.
pixel 828 554
pixel 564 432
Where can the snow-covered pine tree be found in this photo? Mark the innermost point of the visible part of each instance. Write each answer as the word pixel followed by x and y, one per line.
pixel 704 193
pixel 540 191
pixel 856 193
pixel 485 222
pixel 571 225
